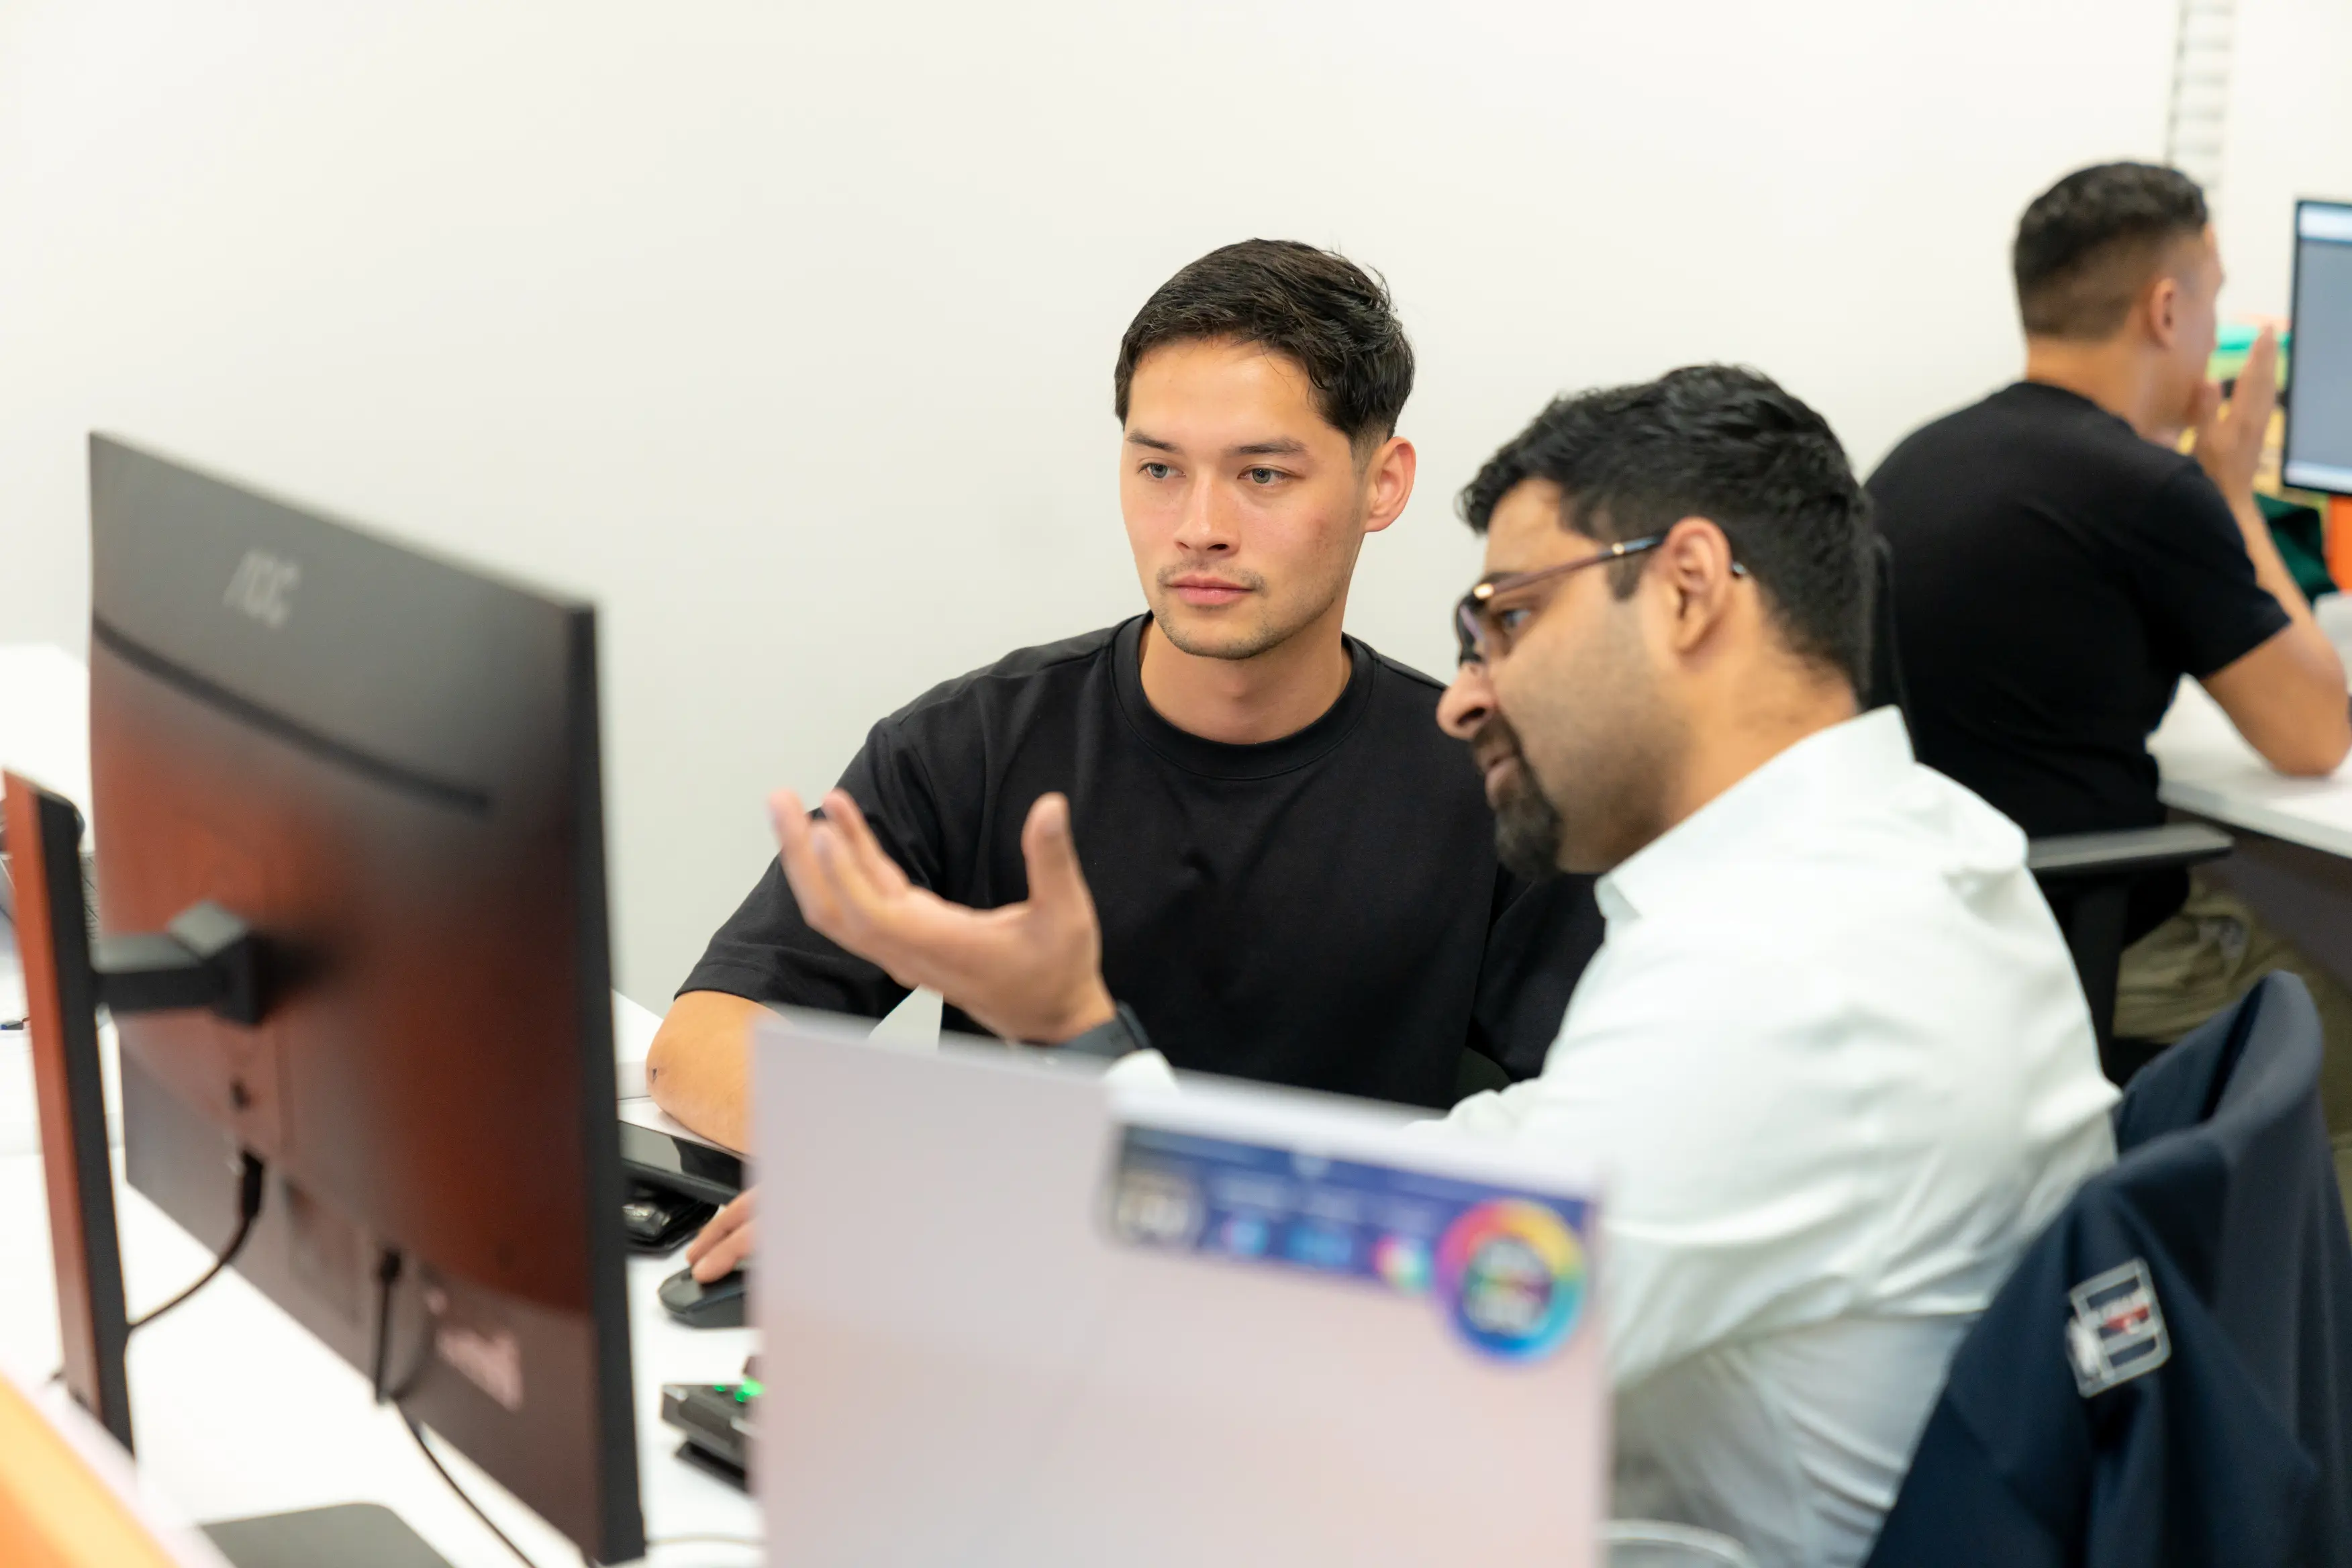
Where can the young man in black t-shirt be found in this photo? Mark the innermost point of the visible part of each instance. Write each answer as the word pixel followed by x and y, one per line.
pixel 2059 566
pixel 1292 866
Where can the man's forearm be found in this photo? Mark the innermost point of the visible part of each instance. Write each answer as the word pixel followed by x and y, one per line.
pixel 2287 695
pixel 2316 655
pixel 2270 567
pixel 699 1069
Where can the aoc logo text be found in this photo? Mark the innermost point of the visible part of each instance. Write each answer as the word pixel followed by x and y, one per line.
pixel 263 588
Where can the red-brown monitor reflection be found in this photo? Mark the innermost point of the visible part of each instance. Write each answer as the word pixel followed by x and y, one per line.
pixel 387 766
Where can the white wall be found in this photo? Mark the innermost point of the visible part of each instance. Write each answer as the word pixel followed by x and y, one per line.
pixel 2289 135
pixel 785 331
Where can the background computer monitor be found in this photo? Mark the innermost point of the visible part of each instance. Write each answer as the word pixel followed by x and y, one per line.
pixel 387 766
pixel 2319 406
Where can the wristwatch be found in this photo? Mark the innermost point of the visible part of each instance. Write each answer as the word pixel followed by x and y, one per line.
pixel 1112 1038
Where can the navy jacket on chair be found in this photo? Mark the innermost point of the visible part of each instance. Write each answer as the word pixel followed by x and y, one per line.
pixel 2168 1376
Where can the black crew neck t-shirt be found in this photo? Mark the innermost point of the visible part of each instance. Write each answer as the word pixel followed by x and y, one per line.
pixel 1324 910
pixel 2056 575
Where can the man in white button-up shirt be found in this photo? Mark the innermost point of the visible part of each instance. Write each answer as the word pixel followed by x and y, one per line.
pixel 1833 1053
pixel 1834 1058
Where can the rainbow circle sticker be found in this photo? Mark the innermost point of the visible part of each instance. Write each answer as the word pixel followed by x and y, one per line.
pixel 1512 1276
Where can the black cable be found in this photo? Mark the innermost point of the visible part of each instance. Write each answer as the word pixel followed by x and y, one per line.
pixel 249 1188
pixel 432 1460
pixel 387 1274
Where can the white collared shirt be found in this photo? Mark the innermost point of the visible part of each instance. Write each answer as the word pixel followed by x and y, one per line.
pixel 1835 1061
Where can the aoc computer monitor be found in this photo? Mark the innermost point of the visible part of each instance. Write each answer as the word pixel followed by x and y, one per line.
pixel 2319 454
pixel 385 765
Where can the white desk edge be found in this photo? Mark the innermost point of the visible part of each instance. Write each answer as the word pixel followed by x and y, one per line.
pixel 2208 771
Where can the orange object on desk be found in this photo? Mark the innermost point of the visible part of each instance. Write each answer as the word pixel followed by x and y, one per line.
pixel 55 1512
pixel 2338 540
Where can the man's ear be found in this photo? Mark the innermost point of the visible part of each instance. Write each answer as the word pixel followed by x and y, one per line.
pixel 1696 568
pixel 1389 475
pixel 2160 309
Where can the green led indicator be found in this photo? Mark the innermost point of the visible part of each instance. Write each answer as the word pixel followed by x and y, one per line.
pixel 747 1393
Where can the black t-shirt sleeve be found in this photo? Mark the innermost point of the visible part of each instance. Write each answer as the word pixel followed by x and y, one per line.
pixel 767 953
pixel 2189 561
pixel 1540 940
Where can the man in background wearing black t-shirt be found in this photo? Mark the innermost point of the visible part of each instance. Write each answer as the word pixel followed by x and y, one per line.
pixel 1294 872
pixel 2059 565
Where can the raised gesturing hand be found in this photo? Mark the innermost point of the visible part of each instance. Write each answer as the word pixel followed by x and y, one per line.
pixel 2229 435
pixel 1030 971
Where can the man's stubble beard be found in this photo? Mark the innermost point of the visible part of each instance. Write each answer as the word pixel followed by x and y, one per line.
pixel 1618 752
pixel 1262 635
pixel 1528 826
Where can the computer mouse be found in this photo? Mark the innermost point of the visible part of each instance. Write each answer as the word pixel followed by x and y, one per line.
pixel 718 1305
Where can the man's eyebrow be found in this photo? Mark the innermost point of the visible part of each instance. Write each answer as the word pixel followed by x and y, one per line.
pixel 1279 446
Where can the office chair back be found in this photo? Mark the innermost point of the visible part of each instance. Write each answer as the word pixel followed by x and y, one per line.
pixel 2167 1376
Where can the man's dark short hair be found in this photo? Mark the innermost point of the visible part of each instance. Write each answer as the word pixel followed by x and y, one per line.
pixel 1728 445
pixel 1316 308
pixel 2090 243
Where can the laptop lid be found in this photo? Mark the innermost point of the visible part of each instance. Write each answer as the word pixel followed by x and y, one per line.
pixel 1014 1314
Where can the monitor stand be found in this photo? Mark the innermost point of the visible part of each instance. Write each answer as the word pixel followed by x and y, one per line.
pixel 348 1535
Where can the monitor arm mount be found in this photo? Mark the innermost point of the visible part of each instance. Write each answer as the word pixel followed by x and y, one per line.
pixel 206 959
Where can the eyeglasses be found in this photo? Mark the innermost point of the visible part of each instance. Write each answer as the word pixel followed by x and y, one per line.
pixel 1481 628
pixel 1486 630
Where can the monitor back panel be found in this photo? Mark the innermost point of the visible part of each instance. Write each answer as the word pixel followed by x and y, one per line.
pixel 387 765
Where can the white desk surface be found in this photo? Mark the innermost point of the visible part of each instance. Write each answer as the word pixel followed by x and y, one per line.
pixel 2210 771
pixel 236 1408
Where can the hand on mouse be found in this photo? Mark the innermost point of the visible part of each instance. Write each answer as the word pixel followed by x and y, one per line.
pixel 725 1244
